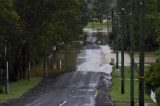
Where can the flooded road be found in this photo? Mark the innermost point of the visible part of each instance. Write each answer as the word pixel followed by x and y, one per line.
pixel 88 85
pixel 79 88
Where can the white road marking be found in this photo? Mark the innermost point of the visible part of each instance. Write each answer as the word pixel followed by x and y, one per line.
pixel 63 103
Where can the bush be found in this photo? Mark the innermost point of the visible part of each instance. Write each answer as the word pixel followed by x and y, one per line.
pixel 152 76
pixel 158 96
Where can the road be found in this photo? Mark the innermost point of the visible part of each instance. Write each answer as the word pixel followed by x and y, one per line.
pixel 71 89
pixel 88 85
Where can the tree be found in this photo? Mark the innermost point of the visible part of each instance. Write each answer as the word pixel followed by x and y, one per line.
pixel 152 76
pixel 32 27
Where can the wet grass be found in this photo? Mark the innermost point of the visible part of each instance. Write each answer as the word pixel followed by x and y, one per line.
pixel 17 89
pixel 124 100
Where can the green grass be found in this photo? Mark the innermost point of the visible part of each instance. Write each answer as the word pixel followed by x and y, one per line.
pixel 17 89
pixel 124 100
pixel 97 25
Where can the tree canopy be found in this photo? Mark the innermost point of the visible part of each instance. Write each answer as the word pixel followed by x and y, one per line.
pixel 33 27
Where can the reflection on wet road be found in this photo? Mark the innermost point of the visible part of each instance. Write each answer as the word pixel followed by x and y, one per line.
pixel 72 89
pixel 78 88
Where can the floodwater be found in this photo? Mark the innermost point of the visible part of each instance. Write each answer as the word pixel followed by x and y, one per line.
pixel 88 85
pixel 101 36
pixel 80 87
pixel 95 60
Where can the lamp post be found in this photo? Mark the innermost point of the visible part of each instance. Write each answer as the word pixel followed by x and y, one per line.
pixel 141 60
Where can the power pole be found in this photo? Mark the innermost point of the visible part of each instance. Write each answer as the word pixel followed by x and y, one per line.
pixel 93 17
pixel 113 30
pixel 7 72
pixel 122 52
pixel 117 41
pixel 117 49
pixel 156 5
pixel 29 70
pixel 132 55
pixel 141 60
pixel 108 22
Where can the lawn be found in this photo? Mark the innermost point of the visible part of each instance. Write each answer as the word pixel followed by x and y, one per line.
pixel 97 25
pixel 18 88
pixel 124 100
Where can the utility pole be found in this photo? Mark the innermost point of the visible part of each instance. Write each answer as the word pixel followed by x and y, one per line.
pixel 113 30
pixel 29 70
pixel 156 5
pixel 7 73
pixel 108 22
pixel 132 55
pixel 122 52
pixel 117 41
pixel 141 60
pixel 117 48
pixel 93 16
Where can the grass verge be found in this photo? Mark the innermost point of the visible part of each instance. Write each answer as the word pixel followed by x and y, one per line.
pixel 124 100
pixel 97 25
pixel 17 89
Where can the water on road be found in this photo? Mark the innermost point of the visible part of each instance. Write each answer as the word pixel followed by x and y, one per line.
pixel 81 87
pixel 88 85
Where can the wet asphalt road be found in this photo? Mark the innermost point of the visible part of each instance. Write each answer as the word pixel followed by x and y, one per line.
pixel 87 86
pixel 71 89
pixel 80 88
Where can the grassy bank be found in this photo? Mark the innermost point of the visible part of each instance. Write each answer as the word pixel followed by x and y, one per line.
pixel 17 89
pixel 124 100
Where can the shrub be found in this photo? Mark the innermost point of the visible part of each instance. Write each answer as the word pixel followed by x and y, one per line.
pixel 158 96
pixel 152 76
